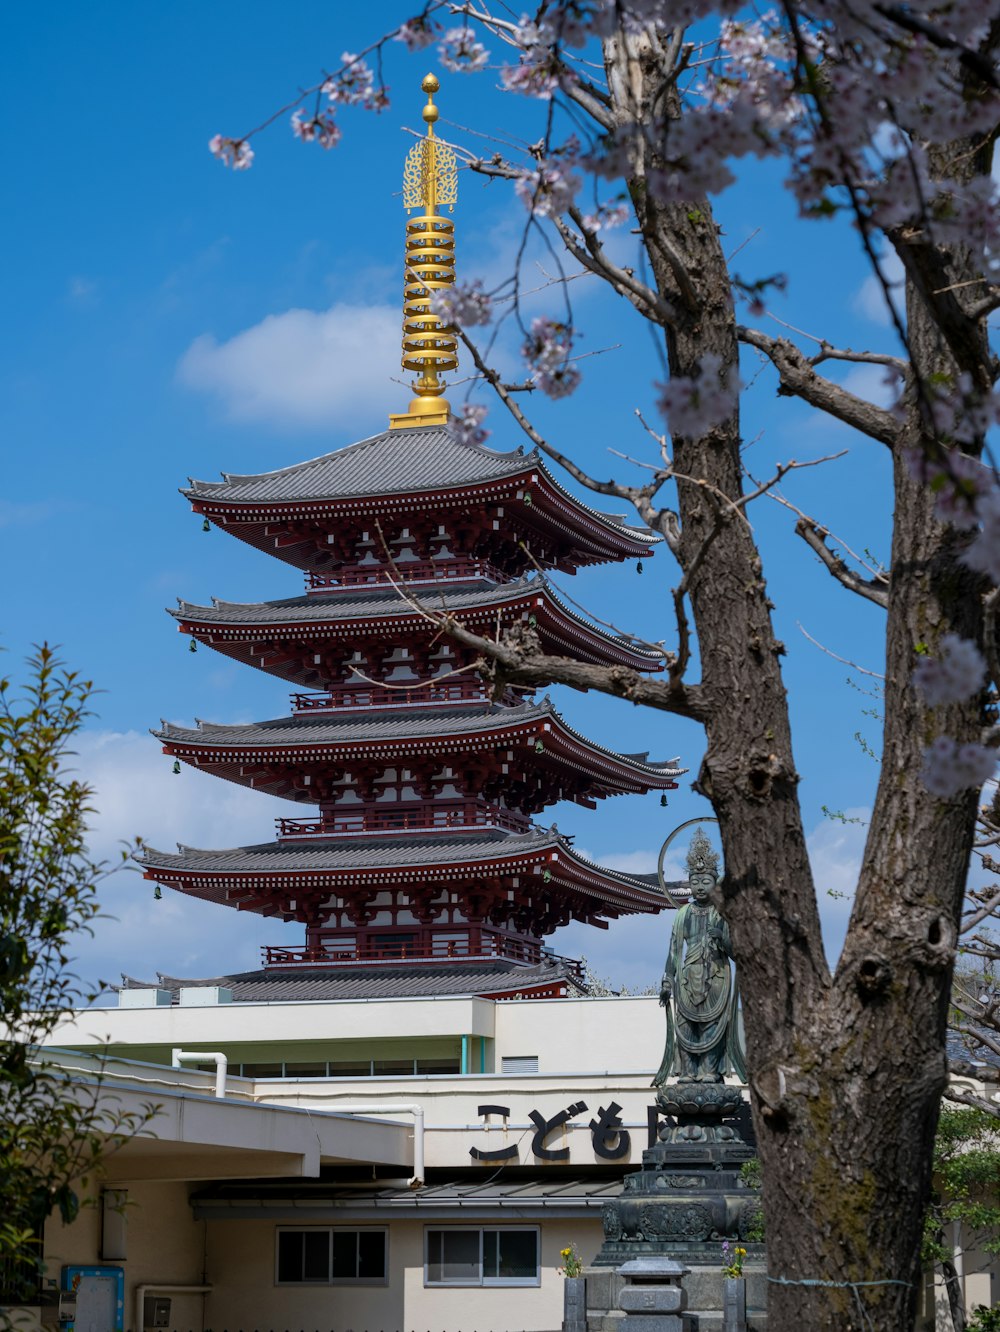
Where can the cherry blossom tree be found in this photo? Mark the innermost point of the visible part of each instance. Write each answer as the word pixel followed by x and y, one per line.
pixel 884 114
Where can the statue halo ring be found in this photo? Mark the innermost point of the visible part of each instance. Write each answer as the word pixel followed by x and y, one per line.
pixel 688 823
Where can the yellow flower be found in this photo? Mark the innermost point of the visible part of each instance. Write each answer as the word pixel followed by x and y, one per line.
pixel 564 1253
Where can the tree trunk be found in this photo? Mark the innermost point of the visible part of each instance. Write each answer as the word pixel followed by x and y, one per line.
pixel 846 1071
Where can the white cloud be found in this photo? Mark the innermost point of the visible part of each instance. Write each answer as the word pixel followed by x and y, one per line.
pixel 82 290
pixel 631 951
pixel 304 368
pixel 835 851
pixel 27 513
pixel 873 383
pixel 137 794
pixel 869 299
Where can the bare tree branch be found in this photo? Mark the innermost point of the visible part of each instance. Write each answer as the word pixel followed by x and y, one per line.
pixel 846 661
pixel 800 380
pixel 663 521
pixel 593 256
pixel 815 538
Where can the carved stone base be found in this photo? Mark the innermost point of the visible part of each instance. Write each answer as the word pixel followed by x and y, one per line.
pixel 696 1112
pixel 688 1193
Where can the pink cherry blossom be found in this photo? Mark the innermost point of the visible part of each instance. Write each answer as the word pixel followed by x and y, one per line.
pixel 464 303
pixel 469 426
pixel 984 553
pixel 950 768
pixel 606 217
pixel 235 153
pixel 548 191
pixel 547 351
pixel 956 673
pixel 459 51
pixel 418 32
pixel 320 128
pixel 354 85
pixel 695 406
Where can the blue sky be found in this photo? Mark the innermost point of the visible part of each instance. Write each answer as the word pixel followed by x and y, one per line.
pixel 167 318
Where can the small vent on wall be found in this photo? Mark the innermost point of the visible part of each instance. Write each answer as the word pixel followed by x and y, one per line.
pixel 519 1064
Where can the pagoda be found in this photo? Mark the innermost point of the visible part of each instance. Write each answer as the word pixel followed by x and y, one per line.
pixel 417 844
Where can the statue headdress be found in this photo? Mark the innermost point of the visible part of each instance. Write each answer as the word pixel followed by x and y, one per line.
pixel 701 859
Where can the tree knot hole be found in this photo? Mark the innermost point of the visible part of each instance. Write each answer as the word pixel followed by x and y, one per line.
pixel 760 782
pixel 874 977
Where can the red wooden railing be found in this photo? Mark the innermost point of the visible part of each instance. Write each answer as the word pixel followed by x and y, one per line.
pixel 408 571
pixel 490 945
pixel 448 818
pixel 460 689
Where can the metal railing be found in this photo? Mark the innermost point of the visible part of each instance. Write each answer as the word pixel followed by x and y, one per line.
pixel 489 946
pixel 407 571
pixel 460 689
pixel 441 818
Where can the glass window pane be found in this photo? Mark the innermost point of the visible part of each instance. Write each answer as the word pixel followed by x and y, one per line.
pixel 289 1255
pixel 262 1070
pixel 316 1255
pixel 345 1254
pixel 491 1255
pixel 394 1068
pixel 453 1255
pixel 439 1066
pixel 350 1068
pixel 371 1254
pixel 313 1069
pixel 518 1254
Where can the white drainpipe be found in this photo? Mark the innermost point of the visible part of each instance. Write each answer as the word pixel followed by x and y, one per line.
pixel 200 1056
pixel 417 1111
pixel 160 1288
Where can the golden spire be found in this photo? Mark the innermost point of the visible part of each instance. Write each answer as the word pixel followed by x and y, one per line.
pixel 429 348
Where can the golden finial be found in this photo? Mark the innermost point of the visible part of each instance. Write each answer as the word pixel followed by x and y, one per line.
pixel 429 348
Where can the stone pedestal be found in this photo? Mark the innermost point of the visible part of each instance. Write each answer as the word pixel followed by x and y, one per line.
pixel 681 1205
pixel 575 1304
pixel 652 1297
pixel 734 1304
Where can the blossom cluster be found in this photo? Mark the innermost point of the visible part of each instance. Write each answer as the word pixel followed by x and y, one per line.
pixel 469 426
pixel 418 32
pixel 606 216
pixel 540 69
pixel 549 190
pixel 547 350
pixel 462 303
pixel 950 768
pixel 235 153
pixel 320 128
pixel 956 674
pixel 460 52
pixel 354 85
pixel 694 406
pixel 840 135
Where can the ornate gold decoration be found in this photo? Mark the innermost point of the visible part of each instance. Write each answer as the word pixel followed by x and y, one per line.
pixel 430 349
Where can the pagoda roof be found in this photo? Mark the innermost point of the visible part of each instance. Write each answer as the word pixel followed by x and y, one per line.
pixel 402 470
pixel 391 463
pixel 400 734
pixel 305 984
pixel 387 608
pixel 250 876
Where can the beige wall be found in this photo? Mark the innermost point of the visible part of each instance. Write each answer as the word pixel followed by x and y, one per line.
pixel 241 1271
pixel 165 1244
pixel 567 1035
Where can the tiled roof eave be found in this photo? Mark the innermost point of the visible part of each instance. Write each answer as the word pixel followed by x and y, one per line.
pixel 434 731
pixel 194 868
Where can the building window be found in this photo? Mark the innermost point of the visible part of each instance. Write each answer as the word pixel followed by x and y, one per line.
pixel 487 1257
pixel 324 1256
